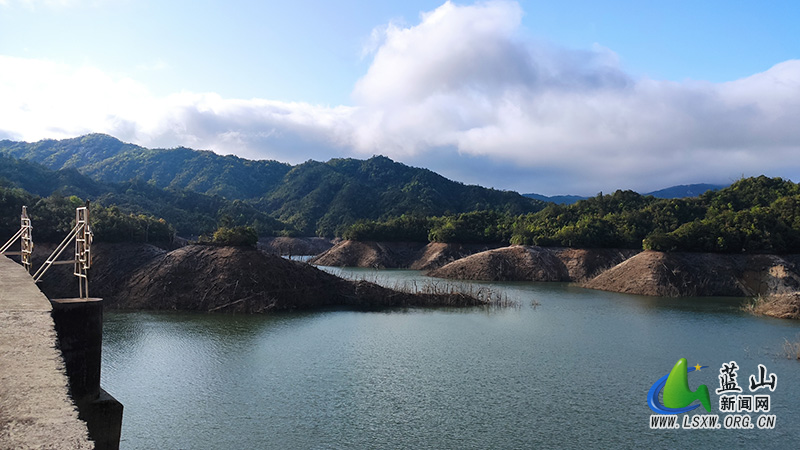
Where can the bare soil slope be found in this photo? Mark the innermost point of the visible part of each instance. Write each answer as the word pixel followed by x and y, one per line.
pixel 231 279
pixel 699 274
pixel 236 279
pixel 294 246
pixel 518 263
pixel 395 255
pixel 206 278
pixel 583 264
pixel 438 254
pixel 378 255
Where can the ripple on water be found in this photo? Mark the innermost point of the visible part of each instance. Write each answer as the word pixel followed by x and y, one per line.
pixel 573 372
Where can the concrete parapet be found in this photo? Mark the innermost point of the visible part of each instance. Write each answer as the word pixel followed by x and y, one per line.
pixel 36 411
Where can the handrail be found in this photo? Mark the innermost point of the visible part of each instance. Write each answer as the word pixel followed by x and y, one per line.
pixel 25 235
pixel 82 258
pixel 56 253
pixel 8 244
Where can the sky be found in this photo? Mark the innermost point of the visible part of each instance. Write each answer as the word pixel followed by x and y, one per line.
pixel 567 97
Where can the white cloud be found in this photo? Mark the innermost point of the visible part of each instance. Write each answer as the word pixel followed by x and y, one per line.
pixel 464 78
pixel 464 85
pixel 43 99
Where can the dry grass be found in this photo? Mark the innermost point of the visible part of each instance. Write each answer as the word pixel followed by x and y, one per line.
pixel 446 293
pixel 782 306
pixel 792 349
pixel 457 294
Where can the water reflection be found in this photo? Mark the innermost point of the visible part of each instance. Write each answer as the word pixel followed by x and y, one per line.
pixel 572 372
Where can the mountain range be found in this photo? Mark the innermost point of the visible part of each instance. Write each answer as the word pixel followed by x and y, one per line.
pixel 197 190
pixel 312 198
pixel 681 191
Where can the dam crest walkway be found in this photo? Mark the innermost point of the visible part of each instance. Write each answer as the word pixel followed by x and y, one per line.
pixel 36 410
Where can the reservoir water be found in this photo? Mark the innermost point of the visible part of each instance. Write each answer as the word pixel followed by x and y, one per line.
pixel 572 372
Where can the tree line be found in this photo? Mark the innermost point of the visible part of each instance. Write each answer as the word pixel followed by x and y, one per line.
pixel 758 214
pixel 53 217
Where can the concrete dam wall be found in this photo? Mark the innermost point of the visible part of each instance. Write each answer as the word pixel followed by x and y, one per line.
pixel 50 395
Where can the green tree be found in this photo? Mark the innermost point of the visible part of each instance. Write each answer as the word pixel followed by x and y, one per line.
pixel 236 236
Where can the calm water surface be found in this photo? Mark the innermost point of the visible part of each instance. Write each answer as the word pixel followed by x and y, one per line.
pixel 572 372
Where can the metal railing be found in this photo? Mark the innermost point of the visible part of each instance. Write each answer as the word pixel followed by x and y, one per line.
pixel 25 236
pixel 82 261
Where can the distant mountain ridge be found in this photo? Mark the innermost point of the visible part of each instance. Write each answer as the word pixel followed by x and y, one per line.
pixel 315 198
pixel 680 191
pixel 108 159
pixel 558 199
pixel 686 190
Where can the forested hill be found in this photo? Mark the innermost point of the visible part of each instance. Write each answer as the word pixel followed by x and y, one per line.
pixel 756 215
pixel 342 191
pixel 106 158
pixel 132 205
pixel 314 197
pixel 41 181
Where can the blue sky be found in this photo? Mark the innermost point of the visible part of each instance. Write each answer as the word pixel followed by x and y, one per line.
pixel 535 96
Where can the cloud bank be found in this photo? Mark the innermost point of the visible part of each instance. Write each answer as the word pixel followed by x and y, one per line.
pixel 463 92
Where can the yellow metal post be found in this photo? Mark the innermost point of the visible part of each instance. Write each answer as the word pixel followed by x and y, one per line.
pixel 83 249
pixel 26 239
pixel 25 236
